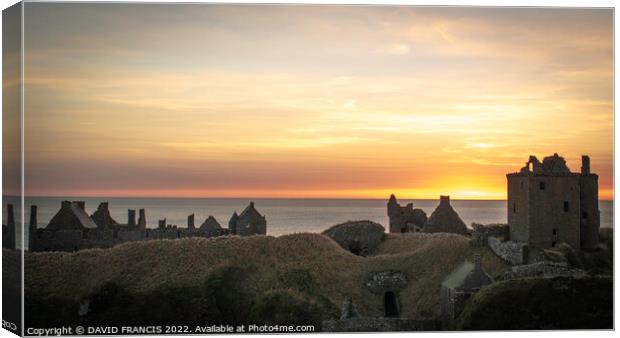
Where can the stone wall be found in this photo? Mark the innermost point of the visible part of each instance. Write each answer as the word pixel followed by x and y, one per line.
pixel 543 269
pixel 8 237
pixel 73 240
pixel 384 281
pixel 550 223
pixel 518 206
pixel 481 233
pixel 590 214
pixel 452 303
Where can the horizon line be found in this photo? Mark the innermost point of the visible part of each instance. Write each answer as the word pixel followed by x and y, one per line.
pixel 267 198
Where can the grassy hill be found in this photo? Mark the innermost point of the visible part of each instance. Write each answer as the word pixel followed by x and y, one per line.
pixel 294 278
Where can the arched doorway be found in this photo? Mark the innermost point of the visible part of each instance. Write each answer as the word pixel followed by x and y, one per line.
pixel 390 304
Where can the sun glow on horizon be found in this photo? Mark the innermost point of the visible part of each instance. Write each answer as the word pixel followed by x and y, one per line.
pixel 310 101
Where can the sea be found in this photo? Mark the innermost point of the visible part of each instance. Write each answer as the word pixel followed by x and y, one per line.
pixel 284 216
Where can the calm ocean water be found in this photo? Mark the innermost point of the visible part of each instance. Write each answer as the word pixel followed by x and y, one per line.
pixel 284 216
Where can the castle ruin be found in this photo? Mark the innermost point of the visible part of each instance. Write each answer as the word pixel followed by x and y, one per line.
pixel 72 229
pixel 404 219
pixel 548 204
pixel 249 222
pixel 407 219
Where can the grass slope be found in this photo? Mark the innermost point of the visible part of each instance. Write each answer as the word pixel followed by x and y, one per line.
pixel 256 273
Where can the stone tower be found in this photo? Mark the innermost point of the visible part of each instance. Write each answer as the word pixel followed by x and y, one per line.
pixel 548 204
pixel 590 215
pixel 142 219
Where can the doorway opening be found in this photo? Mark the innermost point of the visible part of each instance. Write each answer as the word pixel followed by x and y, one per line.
pixel 391 304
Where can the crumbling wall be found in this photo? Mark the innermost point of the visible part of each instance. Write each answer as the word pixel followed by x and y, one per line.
pixel 481 233
pixel 384 281
pixel 405 219
pixel 543 269
pixel 515 253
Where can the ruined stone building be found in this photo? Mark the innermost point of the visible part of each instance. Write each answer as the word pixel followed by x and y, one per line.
pixel 548 204
pixel 407 219
pixel 458 287
pixel 102 217
pixel 445 219
pixel 72 229
pixel 71 216
pixel 212 227
pixel 249 222
pixel 404 219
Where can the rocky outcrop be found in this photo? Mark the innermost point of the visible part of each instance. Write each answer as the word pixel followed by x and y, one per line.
pixel 445 219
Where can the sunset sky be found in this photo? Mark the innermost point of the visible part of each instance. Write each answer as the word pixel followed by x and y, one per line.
pixel 310 101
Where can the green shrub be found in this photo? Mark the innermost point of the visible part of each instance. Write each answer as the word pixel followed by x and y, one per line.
pixel 558 303
pixel 105 303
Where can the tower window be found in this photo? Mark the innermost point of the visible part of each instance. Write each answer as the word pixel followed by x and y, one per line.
pixel 514 207
pixel 555 231
pixel 565 206
pixel 553 244
pixel 584 215
pixel 542 185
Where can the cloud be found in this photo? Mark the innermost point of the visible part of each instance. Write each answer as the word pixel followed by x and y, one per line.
pixel 397 49
pixel 372 96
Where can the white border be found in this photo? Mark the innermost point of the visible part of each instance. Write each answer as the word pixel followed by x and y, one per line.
pixel 506 3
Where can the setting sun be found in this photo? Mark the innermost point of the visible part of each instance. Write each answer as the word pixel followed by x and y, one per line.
pixel 347 102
